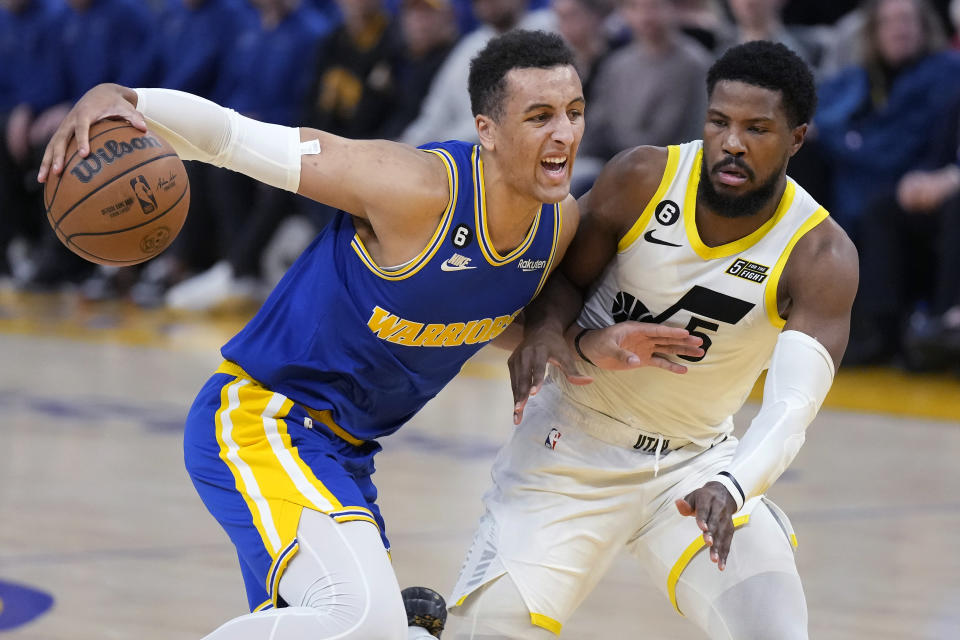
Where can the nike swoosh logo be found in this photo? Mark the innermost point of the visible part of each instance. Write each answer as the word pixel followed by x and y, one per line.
pixel 449 267
pixel 648 236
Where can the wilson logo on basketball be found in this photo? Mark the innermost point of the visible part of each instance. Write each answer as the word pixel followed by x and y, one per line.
pixel 89 167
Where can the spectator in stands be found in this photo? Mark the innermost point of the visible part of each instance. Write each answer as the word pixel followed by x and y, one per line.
pixel 760 20
pixel 126 31
pixel 198 39
pixel 592 35
pixel 352 75
pixel 28 86
pixel 266 79
pixel 328 8
pixel 874 126
pixel 874 118
pixel 910 262
pixel 126 49
pixel 462 11
pixel 702 20
pixel 845 45
pixel 429 31
pixel 650 91
pixel 446 112
pixel 352 89
pixel 583 24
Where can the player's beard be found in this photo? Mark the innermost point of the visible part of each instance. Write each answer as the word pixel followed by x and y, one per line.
pixel 739 206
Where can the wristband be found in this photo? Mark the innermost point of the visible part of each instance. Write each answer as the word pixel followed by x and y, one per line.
pixel 576 345
pixel 733 487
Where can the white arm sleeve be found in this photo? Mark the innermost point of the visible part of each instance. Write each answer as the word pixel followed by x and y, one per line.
pixel 199 129
pixel 800 374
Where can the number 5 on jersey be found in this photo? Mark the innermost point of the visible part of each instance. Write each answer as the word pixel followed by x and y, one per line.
pixel 699 301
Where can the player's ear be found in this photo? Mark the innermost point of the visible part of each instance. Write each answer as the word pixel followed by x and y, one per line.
pixel 799 134
pixel 486 130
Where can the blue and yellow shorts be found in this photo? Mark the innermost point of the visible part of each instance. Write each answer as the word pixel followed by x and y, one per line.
pixel 258 459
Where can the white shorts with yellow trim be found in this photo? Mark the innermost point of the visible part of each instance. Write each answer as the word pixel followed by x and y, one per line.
pixel 257 461
pixel 564 503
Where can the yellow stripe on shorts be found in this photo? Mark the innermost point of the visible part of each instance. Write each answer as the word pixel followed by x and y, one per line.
pixel 546 622
pixel 246 482
pixel 685 559
pixel 270 474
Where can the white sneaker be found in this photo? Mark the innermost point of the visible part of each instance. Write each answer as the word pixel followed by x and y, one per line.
pixel 203 291
pixel 216 288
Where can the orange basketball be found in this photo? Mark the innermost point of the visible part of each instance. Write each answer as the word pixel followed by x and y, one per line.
pixel 122 204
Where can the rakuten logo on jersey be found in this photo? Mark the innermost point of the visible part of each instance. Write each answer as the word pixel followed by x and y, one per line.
pixel 531 265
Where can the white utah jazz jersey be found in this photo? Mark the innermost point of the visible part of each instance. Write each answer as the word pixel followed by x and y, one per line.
pixel 727 295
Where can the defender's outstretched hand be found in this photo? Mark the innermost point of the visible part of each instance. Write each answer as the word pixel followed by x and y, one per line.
pixel 629 345
pixel 101 102
pixel 713 507
pixel 626 345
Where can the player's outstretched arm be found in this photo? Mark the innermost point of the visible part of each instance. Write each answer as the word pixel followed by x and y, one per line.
pixel 391 184
pixel 818 285
pixel 544 322
pixel 630 345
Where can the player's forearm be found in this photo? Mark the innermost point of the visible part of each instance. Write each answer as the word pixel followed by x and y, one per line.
pixel 801 372
pixel 510 337
pixel 555 308
pixel 199 129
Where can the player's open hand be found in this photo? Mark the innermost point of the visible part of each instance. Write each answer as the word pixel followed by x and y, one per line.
pixel 99 103
pixel 528 364
pixel 713 507
pixel 629 345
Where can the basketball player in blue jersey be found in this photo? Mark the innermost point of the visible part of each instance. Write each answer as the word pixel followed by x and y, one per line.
pixel 437 252
pixel 712 236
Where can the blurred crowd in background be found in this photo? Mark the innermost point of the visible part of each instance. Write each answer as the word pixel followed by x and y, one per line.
pixel 881 154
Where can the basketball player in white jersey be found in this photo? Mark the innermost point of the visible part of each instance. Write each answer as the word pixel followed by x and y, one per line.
pixel 714 237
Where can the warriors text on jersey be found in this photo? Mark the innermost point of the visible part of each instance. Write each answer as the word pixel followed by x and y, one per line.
pixel 371 345
pixel 727 295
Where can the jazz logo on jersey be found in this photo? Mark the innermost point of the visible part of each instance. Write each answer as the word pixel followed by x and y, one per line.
pixel 748 270
pixel 394 329
pixel 552 438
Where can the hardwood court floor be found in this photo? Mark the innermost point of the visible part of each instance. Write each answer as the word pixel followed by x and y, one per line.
pixel 96 510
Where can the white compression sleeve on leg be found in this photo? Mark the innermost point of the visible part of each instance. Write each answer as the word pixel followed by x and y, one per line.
pixel 800 374
pixel 340 585
pixel 199 129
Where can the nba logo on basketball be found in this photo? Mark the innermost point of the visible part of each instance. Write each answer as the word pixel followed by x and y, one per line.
pixel 141 188
pixel 552 437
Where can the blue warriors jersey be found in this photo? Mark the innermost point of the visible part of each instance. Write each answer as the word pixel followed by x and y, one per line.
pixel 366 347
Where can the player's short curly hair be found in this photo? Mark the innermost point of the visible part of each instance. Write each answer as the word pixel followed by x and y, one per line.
pixel 770 65
pixel 518 49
